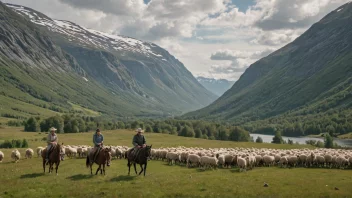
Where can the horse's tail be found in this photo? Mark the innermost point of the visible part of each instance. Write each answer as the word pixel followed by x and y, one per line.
pixel 87 162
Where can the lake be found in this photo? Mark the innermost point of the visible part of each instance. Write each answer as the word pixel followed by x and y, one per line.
pixel 302 140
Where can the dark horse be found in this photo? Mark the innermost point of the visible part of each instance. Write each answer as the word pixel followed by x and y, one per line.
pixel 141 158
pixel 103 157
pixel 55 157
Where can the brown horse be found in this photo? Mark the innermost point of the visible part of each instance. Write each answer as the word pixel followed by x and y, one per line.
pixel 54 157
pixel 103 157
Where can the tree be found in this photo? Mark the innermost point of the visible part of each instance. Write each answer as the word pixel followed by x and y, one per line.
pixel 24 143
pixel 223 134
pixel 259 140
pixel 121 125
pixel 331 130
pixel 187 132
pixel 31 125
pixel 328 141
pixel 148 128
pixel 238 134
pixel 277 139
pixel 198 133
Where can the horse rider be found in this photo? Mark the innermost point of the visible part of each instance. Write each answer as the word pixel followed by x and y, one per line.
pixel 52 140
pixel 98 140
pixel 138 141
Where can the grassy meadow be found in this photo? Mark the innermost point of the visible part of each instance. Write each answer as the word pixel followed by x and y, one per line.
pixel 25 178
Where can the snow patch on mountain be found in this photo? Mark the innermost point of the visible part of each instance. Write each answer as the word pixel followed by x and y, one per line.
pixel 86 36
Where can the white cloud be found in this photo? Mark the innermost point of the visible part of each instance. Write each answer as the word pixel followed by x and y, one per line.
pixel 194 30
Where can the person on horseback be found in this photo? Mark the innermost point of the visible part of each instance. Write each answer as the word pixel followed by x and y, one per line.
pixel 98 140
pixel 52 140
pixel 138 141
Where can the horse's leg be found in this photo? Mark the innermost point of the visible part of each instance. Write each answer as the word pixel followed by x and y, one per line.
pixel 44 165
pixel 98 169
pixel 57 166
pixel 129 166
pixel 104 168
pixel 141 165
pixel 145 168
pixel 91 169
pixel 135 169
pixel 50 165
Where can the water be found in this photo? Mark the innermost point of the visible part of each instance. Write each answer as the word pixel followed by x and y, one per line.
pixel 302 140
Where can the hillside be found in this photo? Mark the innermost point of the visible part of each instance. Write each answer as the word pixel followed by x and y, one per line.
pixel 310 77
pixel 216 86
pixel 58 66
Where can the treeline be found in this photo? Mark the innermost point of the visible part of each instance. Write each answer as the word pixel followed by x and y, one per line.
pixel 197 129
pixel 14 144
pixel 334 122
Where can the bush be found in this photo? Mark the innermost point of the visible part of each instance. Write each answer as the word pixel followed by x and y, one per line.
pixel 277 139
pixel 328 142
pixel 24 143
pixel 259 140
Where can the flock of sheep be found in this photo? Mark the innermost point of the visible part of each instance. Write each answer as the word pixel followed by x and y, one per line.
pixel 244 158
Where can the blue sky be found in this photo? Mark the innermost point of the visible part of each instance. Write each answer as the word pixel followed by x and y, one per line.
pixel 242 4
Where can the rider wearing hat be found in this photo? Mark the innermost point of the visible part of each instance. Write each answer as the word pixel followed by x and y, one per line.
pixel 138 141
pixel 52 141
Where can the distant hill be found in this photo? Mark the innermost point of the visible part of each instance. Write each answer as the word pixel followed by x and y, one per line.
pixel 53 66
pixel 307 80
pixel 217 86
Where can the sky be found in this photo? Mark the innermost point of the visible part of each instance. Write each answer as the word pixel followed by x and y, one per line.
pixel 212 38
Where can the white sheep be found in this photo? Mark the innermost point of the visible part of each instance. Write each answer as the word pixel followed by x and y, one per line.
pixel 208 162
pixel 39 151
pixel 29 153
pixel 15 155
pixel 193 159
pixel 2 156
pixel 283 161
pixel 242 163
pixel 268 160
pixel 173 157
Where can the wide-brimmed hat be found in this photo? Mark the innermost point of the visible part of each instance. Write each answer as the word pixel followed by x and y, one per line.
pixel 52 129
pixel 139 130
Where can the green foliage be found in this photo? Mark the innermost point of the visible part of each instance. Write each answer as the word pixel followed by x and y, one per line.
pixel 24 143
pixel 328 141
pixel 187 132
pixel 259 140
pixel 31 125
pixel 277 139
pixel 14 144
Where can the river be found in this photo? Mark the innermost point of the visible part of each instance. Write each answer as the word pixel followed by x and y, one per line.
pixel 302 140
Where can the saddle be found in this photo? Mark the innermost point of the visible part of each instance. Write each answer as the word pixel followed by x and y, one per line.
pixel 51 150
pixel 133 153
pixel 93 156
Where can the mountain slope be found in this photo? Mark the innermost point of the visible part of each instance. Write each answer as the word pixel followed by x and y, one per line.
pixel 310 71
pixel 126 63
pixel 216 86
pixel 54 68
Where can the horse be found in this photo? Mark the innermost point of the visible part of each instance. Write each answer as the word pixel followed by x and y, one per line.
pixel 141 159
pixel 54 157
pixel 103 157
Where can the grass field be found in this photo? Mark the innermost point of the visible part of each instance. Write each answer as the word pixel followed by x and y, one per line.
pixel 25 178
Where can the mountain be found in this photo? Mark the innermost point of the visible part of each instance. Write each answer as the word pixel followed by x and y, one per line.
pixel 216 86
pixel 310 76
pixel 60 66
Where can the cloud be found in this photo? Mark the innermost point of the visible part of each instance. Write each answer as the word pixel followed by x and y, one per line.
pixel 194 30
pixel 235 62
pixel 278 37
pixel 235 55
pixel 115 7
pixel 283 14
